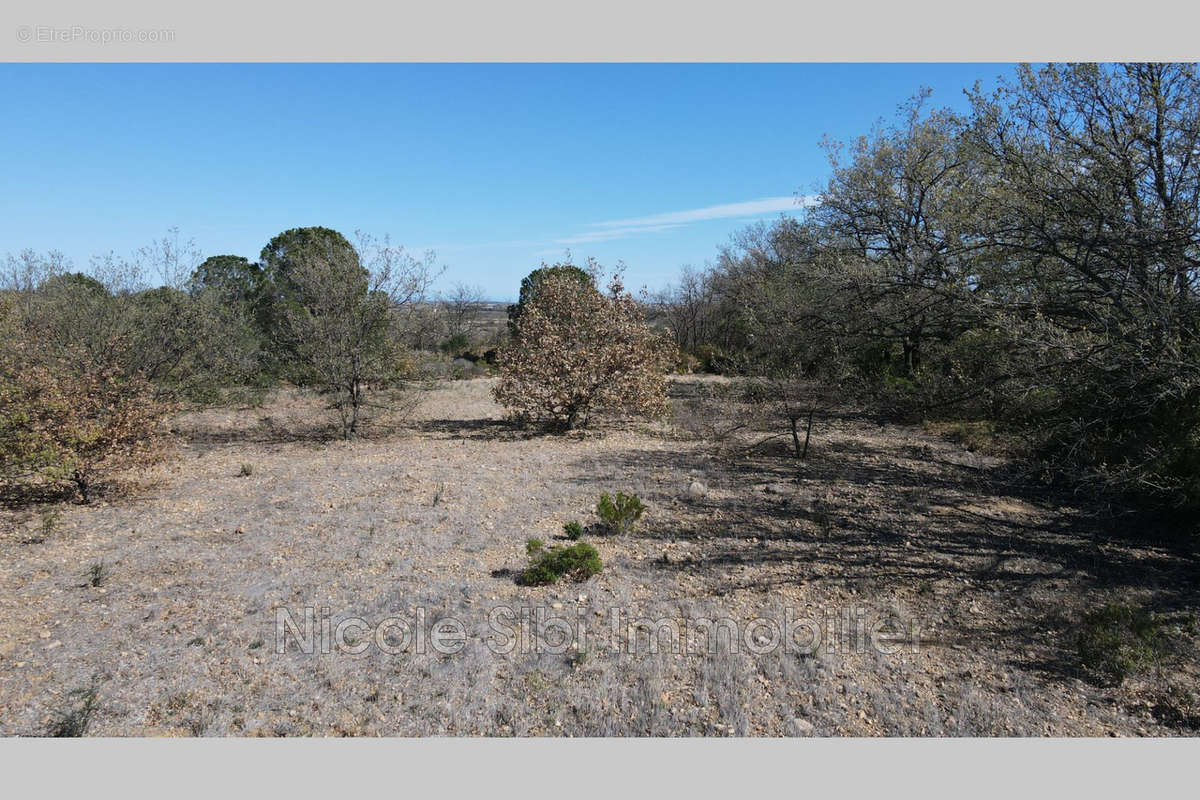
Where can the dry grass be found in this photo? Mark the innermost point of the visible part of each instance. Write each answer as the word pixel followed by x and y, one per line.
pixel 435 515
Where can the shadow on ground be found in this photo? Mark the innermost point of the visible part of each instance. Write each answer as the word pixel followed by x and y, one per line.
pixel 996 562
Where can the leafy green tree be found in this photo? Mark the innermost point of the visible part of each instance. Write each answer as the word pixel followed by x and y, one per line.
pixel 234 278
pixel 284 289
pixel 901 207
pixel 1035 262
pixel 1091 219
pixel 338 313
pixel 288 251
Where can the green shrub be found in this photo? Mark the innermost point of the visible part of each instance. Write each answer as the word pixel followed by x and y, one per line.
pixel 758 391
pixel 97 574
pixel 712 359
pixel 974 435
pixel 73 722
pixel 458 343
pixel 1118 641
pixel 619 514
pixel 573 530
pixel 578 562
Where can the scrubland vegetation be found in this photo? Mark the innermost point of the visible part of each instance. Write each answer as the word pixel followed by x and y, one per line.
pixel 961 390
pixel 1031 264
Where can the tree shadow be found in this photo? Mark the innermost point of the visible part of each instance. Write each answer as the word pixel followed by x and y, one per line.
pixel 479 429
pixel 922 522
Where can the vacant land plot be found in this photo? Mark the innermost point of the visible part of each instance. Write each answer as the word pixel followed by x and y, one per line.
pixel 155 613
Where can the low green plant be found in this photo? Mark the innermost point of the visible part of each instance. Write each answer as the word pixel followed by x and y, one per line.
pixel 578 562
pixel 977 435
pixel 1118 641
pixel 97 574
pixel 49 521
pixel 73 722
pixel 578 659
pixel 620 513
pixel 456 344
pixel 573 530
pixel 246 471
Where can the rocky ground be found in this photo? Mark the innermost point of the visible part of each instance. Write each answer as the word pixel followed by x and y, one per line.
pixel 155 611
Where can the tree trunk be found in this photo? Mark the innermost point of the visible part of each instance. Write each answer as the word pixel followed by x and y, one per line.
pixel 84 486
pixel 355 402
pixel 801 451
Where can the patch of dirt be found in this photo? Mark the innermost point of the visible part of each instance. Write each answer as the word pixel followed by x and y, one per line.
pixel 978 579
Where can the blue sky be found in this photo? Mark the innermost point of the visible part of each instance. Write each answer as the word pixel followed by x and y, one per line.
pixel 496 167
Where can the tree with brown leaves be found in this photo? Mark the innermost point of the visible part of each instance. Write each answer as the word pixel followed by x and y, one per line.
pixel 72 421
pixel 576 350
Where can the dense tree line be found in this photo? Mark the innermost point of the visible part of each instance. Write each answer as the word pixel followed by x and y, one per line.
pixel 90 364
pixel 1032 262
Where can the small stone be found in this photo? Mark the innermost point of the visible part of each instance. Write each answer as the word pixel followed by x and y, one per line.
pixel 44 634
pixel 697 490
pixel 803 727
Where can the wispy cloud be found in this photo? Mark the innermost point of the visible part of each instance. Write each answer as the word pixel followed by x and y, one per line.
pixel 748 208
pixel 655 223
pixel 614 233
pixel 622 228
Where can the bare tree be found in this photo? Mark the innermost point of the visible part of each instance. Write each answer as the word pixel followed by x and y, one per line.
pixel 689 308
pixel 461 308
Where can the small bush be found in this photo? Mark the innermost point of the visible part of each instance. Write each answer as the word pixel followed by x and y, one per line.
pixel 49 517
pixel 1118 641
pixel 97 574
pixel 578 562
pixel 619 514
pixel 686 363
pixel 712 360
pixel 246 471
pixel 456 344
pixel 74 722
pixel 974 436
pixel 573 530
